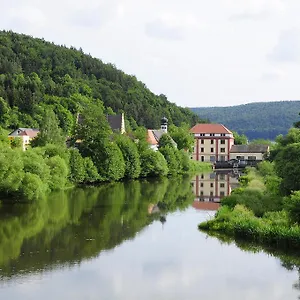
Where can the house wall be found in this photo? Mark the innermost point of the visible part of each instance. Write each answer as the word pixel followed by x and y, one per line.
pixel 209 148
pixel 258 156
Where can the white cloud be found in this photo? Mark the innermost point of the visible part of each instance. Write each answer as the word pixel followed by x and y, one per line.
pixel 195 52
pixel 287 48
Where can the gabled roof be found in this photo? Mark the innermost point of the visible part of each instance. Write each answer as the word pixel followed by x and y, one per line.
pixel 210 128
pixel 249 149
pixel 154 135
pixel 115 122
pixel 31 132
pixel 151 139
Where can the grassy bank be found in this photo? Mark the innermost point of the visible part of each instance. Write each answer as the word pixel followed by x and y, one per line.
pixel 256 212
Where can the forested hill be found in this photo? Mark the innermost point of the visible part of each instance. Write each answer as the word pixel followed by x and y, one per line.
pixel 255 120
pixel 35 73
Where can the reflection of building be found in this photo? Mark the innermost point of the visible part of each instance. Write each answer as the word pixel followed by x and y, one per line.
pixel 212 142
pixel 212 187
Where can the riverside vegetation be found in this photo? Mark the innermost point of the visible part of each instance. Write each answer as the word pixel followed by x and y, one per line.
pixel 266 207
pixel 47 86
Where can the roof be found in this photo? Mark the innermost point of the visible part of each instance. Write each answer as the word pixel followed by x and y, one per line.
pixel 115 122
pixel 151 137
pixel 31 132
pixel 210 128
pixel 249 148
pixel 202 205
pixel 154 135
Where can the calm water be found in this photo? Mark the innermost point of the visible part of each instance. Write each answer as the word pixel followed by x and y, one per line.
pixel 134 241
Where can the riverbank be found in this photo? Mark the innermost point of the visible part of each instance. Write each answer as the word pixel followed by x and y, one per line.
pixel 256 212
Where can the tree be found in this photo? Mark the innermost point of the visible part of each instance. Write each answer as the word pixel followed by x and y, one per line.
pixel 77 166
pixel 166 141
pixel 171 158
pixel 153 164
pixel 183 138
pixel 239 139
pixel 50 132
pixel 287 166
pixel 131 156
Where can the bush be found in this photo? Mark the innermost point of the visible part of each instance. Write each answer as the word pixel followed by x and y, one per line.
pixel 292 206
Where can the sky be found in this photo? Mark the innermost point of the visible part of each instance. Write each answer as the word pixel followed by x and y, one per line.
pixel 196 52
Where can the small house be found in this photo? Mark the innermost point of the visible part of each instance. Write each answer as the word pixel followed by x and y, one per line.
pixel 25 135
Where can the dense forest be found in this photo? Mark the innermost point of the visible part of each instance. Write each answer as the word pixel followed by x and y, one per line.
pixel 262 120
pixel 35 73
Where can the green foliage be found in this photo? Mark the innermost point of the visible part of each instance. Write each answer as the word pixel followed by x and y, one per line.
pixel 287 165
pixel 292 206
pixel 262 120
pixel 35 72
pixel 131 156
pixel 166 141
pixel 169 154
pixel 183 138
pixel 239 139
pixel 77 166
pixel 50 132
pixel 16 143
pixel 91 173
pixel 153 164
pixel 58 172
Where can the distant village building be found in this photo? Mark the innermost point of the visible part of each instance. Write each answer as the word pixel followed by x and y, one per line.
pixel 154 135
pixel 117 122
pixel 212 142
pixel 26 135
pixel 249 153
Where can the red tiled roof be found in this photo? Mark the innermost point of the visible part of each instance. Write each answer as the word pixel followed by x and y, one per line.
pixel 151 138
pixel 210 128
pixel 30 133
pixel 206 205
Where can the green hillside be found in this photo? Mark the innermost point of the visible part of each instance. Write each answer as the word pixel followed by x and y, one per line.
pixel 35 73
pixel 256 120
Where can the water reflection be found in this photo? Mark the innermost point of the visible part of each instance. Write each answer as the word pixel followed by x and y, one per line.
pixel 78 224
pixel 210 188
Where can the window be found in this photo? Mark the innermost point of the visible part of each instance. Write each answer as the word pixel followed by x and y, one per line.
pixel 211 193
pixel 222 176
pixel 212 175
pixel 223 134
pixel 202 142
pixel 201 184
pixel 212 158
pixel 251 157
pixel 212 134
pixel 202 134
pixel 223 150
pixel 240 157
pixel 202 149
pixel 202 158
pixel 211 149
pixel 222 185
pixel 202 176
pixel 223 142
pixel 222 158
pixel 201 193
pixel 212 142
pixel 222 194
pixel 211 185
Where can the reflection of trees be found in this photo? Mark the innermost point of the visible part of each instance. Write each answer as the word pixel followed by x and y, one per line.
pixel 78 224
pixel 289 259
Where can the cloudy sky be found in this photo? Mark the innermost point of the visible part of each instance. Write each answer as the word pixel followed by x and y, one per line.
pixel 197 52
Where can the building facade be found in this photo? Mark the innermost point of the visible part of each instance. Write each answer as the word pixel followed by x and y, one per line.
pixel 212 142
pixel 25 135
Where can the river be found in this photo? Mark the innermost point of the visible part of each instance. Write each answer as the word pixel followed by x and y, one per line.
pixel 136 240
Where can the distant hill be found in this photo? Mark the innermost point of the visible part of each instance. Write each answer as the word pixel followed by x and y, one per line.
pixel 256 120
pixel 36 74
